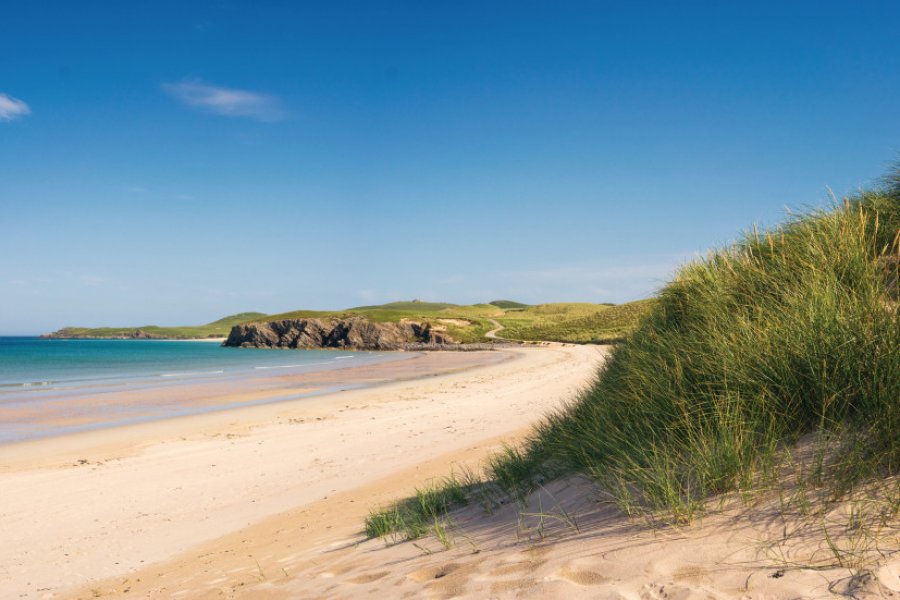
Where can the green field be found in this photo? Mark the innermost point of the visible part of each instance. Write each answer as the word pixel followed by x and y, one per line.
pixel 574 322
pixel 562 322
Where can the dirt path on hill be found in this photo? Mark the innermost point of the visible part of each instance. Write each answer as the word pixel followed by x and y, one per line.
pixel 492 334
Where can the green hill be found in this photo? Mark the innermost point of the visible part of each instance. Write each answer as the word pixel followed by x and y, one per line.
pixel 466 324
pixel 562 322
pixel 574 322
pixel 219 328
pixel 506 304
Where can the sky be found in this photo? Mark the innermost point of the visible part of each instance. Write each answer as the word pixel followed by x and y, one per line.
pixel 174 162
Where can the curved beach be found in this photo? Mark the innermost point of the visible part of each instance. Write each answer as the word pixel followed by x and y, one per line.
pixel 204 505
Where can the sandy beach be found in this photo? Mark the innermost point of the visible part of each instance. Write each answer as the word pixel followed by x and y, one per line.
pixel 171 506
pixel 268 501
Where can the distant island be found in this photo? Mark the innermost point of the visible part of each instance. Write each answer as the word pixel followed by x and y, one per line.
pixel 391 325
pixel 216 329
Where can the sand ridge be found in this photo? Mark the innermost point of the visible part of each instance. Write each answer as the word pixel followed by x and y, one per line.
pixel 564 543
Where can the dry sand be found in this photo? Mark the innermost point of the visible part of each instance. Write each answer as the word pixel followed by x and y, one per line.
pixel 268 502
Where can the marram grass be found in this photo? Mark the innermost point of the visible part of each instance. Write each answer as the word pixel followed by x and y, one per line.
pixel 787 332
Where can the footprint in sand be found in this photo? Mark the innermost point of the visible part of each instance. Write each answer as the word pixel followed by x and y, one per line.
pixel 445 581
pixel 433 572
pixel 368 577
pixel 691 574
pixel 499 587
pixel 582 576
pixel 671 591
pixel 512 568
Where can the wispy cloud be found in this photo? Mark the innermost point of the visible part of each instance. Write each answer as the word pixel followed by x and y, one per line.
pixel 597 273
pixel 229 102
pixel 12 108
pixel 660 266
pixel 610 281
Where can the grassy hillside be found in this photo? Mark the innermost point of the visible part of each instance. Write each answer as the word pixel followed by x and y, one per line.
pixel 505 304
pixel 463 323
pixel 219 328
pixel 574 322
pixel 563 322
pixel 790 336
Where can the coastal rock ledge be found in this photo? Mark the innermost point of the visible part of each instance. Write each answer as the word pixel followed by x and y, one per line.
pixel 356 333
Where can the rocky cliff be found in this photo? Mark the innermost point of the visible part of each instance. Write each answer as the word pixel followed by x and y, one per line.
pixel 355 333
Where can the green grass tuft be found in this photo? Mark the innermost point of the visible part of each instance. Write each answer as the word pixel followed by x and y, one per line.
pixel 421 514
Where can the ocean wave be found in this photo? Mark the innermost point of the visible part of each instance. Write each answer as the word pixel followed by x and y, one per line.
pixel 26 384
pixel 189 373
pixel 291 366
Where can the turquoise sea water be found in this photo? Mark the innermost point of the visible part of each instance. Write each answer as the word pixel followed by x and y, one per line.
pixel 27 362
pixel 47 384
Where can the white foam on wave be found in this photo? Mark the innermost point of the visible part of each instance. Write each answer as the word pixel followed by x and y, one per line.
pixel 291 366
pixel 341 357
pixel 188 373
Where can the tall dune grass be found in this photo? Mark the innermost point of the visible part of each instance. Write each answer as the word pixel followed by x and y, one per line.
pixel 787 332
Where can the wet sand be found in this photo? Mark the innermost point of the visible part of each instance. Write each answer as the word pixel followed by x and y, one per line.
pixel 69 411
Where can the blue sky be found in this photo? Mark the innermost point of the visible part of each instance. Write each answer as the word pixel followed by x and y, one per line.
pixel 173 162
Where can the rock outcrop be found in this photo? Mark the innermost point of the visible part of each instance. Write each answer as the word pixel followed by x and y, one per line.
pixel 355 333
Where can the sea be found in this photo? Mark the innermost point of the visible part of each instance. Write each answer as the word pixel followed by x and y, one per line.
pixel 57 386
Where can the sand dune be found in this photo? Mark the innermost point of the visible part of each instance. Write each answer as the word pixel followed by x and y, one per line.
pixel 564 544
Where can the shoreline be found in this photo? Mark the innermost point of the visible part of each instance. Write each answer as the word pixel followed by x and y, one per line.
pixel 250 404
pixel 68 411
pixel 87 507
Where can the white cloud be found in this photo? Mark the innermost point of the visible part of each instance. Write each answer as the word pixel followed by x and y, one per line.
pixel 12 108
pixel 651 268
pixel 229 102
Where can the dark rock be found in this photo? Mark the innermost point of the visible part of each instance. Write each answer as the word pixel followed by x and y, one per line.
pixel 355 333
